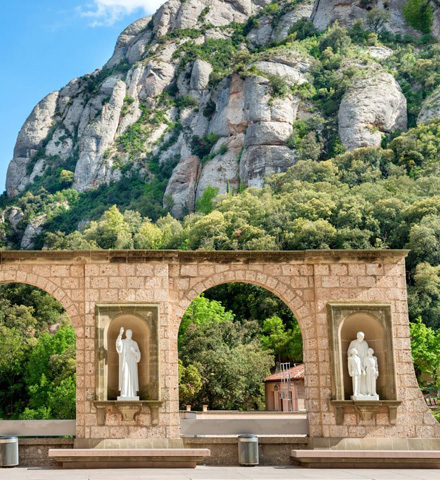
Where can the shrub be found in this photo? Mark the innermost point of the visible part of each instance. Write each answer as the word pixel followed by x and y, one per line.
pixel 278 85
pixel 302 29
pixel 419 14
pixel 377 18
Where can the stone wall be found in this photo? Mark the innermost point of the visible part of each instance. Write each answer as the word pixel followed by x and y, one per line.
pixel 306 281
pixel 34 452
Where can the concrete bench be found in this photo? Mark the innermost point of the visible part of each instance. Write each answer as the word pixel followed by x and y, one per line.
pixel 130 458
pixel 366 458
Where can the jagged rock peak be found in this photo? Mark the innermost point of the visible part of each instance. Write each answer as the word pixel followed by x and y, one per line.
pixel 86 126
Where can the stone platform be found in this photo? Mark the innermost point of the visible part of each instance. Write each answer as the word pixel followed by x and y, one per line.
pixel 129 458
pixel 367 458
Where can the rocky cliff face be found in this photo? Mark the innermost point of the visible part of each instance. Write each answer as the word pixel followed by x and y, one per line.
pixel 362 119
pixel 216 104
pixel 85 125
pixel 346 12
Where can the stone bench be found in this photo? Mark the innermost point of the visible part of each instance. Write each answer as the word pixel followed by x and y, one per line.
pixel 366 458
pixel 129 458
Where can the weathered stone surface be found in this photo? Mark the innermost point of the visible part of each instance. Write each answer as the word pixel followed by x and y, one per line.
pixel 372 106
pixel 262 34
pixel 61 144
pixel 14 215
pixel 267 133
pixel 92 169
pixel 219 123
pixel 260 161
pixel 129 45
pixel 380 53
pixel 430 108
pixel 300 10
pixel 269 31
pixel 235 115
pixel 34 228
pixel 199 76
pixel 222 171
pixel 182 185
pixel 30 139
pixel 326 12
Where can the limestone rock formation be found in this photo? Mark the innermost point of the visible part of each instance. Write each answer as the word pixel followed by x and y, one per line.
pixel 267 32
pixel 30 139
pixel 430 108
pixel 346 12
pixel 164 100
pixel 34 228
pixel 182 186
pixel 374 105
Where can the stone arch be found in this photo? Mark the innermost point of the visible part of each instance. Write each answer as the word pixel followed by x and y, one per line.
pixel 286 293
pixel 283 287
pixel 47 286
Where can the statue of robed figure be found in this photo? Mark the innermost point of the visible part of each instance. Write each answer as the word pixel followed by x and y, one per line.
pixel 129 357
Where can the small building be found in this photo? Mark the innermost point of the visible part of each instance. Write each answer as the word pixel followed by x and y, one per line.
pixel 285 390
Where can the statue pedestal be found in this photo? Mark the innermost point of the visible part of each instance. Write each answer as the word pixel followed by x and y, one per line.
pixel 365 397
pixel 128 409
pixel 127 399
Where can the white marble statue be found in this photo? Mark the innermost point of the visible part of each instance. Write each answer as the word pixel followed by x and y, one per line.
pixel 361 347
pixel 371 373
pixel 129 357
pixel 355 371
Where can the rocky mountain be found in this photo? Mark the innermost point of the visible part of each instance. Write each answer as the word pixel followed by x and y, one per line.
pixel 220 94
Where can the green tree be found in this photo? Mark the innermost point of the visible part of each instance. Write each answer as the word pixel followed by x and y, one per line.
pixel 149 236
pixel 204 312
pixel 190 383
pixel 425 347
pixel 205 204
pixel 231 362
pixel 50 374
pixel 285 343
pixel 424 295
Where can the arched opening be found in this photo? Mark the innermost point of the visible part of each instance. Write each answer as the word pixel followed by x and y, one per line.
pixel 37 355
pixel 240 348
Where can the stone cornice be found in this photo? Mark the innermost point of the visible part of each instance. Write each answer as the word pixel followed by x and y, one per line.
pixel 198 256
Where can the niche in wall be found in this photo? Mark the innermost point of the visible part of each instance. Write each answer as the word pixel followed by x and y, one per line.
pixel 375 321
pixel 143 320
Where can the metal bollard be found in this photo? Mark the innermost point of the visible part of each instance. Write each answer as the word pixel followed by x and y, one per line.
pixel 248 450
pixel 8 451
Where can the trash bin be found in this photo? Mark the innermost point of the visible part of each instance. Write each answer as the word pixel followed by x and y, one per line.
pixel 8 451
pixel 248 450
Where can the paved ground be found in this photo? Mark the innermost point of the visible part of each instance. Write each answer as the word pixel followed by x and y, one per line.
pixel 218 473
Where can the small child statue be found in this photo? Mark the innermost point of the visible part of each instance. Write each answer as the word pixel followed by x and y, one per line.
pixel 355 371
pixel 372 372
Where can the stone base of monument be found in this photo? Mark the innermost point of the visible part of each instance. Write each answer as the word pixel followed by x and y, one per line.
pixel 129 458
pixel 363 397
pixel 366 458
pixel 127 399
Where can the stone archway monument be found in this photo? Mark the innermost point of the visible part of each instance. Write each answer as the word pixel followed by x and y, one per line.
pixel 333 294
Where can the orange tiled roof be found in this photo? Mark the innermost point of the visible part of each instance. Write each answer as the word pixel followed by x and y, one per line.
pixel 296 373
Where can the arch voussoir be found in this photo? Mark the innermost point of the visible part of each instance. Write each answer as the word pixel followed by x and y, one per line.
pixel 19 274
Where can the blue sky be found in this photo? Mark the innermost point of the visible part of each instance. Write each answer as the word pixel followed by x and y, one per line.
pixel 46 43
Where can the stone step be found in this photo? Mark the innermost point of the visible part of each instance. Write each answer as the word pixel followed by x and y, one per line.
pixel 129 458
pixel 366 458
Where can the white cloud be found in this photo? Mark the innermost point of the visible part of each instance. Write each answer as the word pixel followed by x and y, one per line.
pixel 107 12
